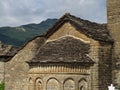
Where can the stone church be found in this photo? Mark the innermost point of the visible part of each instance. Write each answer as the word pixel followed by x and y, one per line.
pixel 74 54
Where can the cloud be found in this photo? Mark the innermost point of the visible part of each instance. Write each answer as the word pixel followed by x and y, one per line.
pixel 18 12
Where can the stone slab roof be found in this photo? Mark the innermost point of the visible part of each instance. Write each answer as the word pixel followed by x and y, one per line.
pixel 93 30
pixel 65 49
pixel 70 49
pixel 7 51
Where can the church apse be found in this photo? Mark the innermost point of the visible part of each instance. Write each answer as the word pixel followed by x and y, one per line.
pixel 61 66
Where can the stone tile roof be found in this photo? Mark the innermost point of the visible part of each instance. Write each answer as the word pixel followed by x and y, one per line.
pixel 93 30
pixel 69 49
pixel 65 49
pixel 7 50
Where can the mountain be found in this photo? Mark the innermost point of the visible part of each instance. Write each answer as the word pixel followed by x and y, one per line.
pixel 17 36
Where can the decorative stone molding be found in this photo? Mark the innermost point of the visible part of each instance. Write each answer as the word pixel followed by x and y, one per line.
pixel 62 68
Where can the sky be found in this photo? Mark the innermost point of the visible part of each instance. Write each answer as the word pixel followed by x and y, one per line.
pixel 20 12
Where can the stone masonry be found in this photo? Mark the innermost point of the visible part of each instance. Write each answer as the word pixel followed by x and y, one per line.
pixel 53 60
pixel 113 14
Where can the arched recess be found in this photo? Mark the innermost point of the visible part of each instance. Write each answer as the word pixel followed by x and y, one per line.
pixel 69 84
pixel 38 84
pixel 31 85
pixel 83 84
pixel 53 84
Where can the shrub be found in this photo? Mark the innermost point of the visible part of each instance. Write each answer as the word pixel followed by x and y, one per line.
pixel 2 86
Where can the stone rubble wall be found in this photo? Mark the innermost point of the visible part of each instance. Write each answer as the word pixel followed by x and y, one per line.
pixel 113 15
pixel 16 71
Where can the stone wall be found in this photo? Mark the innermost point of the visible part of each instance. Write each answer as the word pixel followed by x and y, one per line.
pixel 101 71
pixel 1 71
pixel 105 66
pixel 113 12
pixel 68 29
pixel 16 77
pixel 6 51
pixel 59 76
pixel 100 53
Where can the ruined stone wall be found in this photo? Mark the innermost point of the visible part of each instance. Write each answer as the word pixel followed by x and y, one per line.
pixel 16 70
pixel 113 12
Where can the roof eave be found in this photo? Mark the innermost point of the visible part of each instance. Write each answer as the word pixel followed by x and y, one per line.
pixel 51 62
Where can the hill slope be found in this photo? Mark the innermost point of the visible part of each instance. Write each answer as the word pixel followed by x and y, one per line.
pixel 17 36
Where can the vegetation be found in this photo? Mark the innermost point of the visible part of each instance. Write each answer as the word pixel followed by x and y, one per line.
pixel 17 36
pixel 2 85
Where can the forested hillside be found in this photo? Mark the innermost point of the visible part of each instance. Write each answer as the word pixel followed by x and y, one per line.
pixel 17 36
